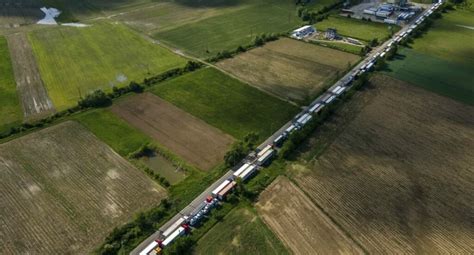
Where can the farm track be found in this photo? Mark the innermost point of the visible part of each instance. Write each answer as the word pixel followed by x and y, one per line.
pixel 63 190
pixel 399 177
pixel 302 226
pixel 187 136
pixel 33 96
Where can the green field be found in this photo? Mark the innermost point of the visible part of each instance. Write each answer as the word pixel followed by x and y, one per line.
pixel 76 61
pixel 226 103
pixel 359 29
pixel 226 32
pixel 241 232
pixel 114 131
pixel 442 60
pixel 349 48
pixel 10 109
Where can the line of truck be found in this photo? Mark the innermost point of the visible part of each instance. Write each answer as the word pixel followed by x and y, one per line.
pixel 263 157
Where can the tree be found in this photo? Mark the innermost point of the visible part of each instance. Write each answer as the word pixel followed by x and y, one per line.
pixel 97 99
pixel 182 246
pixel 135 87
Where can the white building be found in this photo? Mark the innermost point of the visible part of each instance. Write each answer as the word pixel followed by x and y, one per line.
pixel 303 32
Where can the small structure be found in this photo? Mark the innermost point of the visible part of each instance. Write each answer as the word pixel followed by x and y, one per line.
pixel 331 34
pixel 303 32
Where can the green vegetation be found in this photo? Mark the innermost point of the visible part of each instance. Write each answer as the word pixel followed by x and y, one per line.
pixel 240 232
pixel 359 29
pixel 97 57
pixel 349 48
pixel 114 131
pixel 226 103
pixel 207 37
pixel 10 109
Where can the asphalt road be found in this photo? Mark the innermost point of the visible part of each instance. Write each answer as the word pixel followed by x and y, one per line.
pixel 202 197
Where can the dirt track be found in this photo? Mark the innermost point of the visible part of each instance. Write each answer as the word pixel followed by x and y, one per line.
pixel 400 177
pixel 183 134
pixel 299 223
pixel 62 191
pixel 34 98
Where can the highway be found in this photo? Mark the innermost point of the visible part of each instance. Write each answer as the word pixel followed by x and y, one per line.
pixel 341 82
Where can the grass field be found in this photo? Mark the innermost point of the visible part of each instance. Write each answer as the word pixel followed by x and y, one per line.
pixel 207 37
pixel 349 48
pixel 240 232
pixel 288 68
pixel 185 135
pixel 359 29
pixel 114 131
pixel 442 60
pixel 10 109
pixel 397 176
pixel 226 103
pixel 100 56
pixel 302 226
pixel 63 191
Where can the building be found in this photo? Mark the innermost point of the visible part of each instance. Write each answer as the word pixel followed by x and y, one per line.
pixel 331 34
pixel 303 32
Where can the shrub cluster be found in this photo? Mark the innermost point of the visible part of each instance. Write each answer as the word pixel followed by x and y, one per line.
pixel 240 149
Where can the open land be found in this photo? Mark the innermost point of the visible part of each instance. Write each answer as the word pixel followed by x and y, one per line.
pixel 358 29
pixel 63 191
pixel 97 57
pixel 240 232
pixel 10 110
pixel 33 95
pixel 226 103
pixel 207 37
pixel 291 69
pixel 16 13
pixel 185 135
pixel 443 59
pixel 398 176
pixel 302 226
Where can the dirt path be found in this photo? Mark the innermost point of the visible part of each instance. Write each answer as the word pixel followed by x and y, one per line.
pixel 34 98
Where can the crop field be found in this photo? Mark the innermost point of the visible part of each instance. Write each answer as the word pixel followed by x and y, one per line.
pixel 63 191
pixel 359 29
pixel 301 225
pixel 207 37
pixel 16 13
pixel 240 232
pixel 97 57
pixel 398 177
pixel 114 131
pixel 33 95
pixel 290 69
pixel 185 135
pixel 226 103
pixel 443 59
pixel 10 110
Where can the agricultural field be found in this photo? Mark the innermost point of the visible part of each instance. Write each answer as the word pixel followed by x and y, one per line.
pixel 10 110
pixel 16 13
pixel 442 59
pixel 205 38
pixel 358 29
pixel 33 95
pixel 398 175
pixel 183 134
pixel 301 225
pixel 290 69
pixel 97 57
pixel 240 232
pixel 63 191
pixel 226 103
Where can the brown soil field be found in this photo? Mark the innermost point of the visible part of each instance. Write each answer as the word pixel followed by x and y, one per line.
pixel 288 68
pixel 185 135
pixel 62 191
pixel 302 226
pixel 16 13
pixel 399 176
pixel 34 98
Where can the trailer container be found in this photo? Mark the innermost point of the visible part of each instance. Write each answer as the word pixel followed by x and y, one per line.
pixel 264 150
pixel 382 55
pixel 299 121
pixel 178 232
pixel 369 12
pixel 223 193
pixel 250 170
pixel 220 187
pixel 330 99
pixel 371 64
pixel 173 227
pixel 335 89
pixel 290 129
pixel 149 248
pixel 241 169
pixel 278 142
pixel 264 159
pixel 314 107
pixel 340 91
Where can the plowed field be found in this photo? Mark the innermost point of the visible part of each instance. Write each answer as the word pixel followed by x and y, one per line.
pixel 62 191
